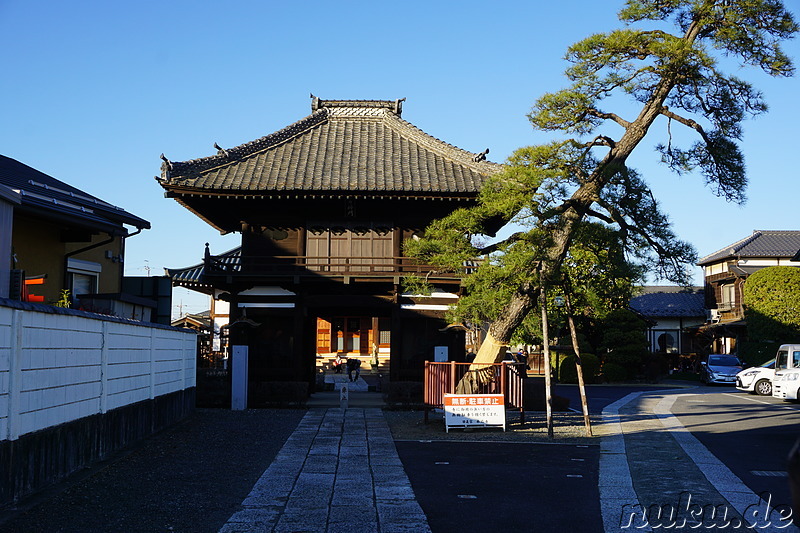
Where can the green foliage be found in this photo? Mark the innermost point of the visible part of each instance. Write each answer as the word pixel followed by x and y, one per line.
pixel 624 342
pixel 772 306
pixel 756 353
pixel 749 29
pixel 614 373
pixel 64 300
pixel 586 219
pixel 568 372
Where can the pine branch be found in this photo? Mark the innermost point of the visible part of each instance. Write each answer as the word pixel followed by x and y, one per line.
pixel 608 116
pixel 601 140
pixel 686 122
pixel 515 237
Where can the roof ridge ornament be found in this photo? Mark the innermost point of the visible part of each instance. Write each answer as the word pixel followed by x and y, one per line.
pixel 221 150
pixel 347 107
pixel 481 156
pixel 398 106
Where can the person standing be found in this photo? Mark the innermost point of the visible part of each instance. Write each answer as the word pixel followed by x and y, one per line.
pixel 353 367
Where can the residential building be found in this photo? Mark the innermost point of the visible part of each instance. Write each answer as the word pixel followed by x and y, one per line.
pixel 77 385
pixel 62 239
pixel 673 314
pixel 726 271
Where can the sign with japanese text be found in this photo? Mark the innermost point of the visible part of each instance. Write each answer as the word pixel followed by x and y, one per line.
pixel 474 410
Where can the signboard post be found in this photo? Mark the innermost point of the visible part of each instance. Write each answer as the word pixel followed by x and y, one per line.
pixel 474 410
pixel 239 378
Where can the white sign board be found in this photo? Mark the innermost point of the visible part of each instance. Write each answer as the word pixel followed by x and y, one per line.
pixel 474 410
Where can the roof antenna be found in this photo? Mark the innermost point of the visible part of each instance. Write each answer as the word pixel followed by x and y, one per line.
pixel 481 156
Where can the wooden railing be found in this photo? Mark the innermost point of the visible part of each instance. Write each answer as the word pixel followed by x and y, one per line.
pixel 443 378
pixel 326 266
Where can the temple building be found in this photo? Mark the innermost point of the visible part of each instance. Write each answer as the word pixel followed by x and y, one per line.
pixel 323 207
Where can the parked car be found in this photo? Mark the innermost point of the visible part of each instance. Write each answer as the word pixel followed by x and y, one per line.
pixel 787 372
pixel 757 379
pixel 720 368
pixel 786 384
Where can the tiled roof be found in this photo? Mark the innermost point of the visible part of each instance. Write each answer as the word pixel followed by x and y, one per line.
pixel 50 197
pixel 343 146
pixel 193 276
pixel 666 302
pixel 762 243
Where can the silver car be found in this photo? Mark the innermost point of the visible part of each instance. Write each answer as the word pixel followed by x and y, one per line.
pixel 719 368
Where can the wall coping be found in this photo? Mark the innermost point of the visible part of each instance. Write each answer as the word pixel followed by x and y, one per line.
pixel 53 310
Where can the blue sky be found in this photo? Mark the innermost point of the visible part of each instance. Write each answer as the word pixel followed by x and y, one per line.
pixel 93 92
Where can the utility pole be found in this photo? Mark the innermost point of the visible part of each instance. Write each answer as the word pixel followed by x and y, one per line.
pixel 546 349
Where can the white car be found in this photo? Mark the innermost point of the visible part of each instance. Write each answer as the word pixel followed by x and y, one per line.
pixel 786 384
pixel 757 379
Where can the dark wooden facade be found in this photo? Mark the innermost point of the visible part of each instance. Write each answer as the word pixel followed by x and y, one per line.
pixel 323 207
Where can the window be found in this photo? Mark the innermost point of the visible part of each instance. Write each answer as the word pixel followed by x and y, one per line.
pixel 728 297
pixel 781 359
pixel 82 277
pixel 354 247
pixel 666 342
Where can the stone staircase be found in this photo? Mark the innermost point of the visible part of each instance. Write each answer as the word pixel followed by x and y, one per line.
pixel 325 361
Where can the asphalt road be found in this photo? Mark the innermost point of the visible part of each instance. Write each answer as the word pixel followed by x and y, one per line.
pixel 494 486
pixel 598 396
pixel 751 435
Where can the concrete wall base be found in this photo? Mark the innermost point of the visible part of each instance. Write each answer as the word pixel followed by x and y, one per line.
pixel 40 459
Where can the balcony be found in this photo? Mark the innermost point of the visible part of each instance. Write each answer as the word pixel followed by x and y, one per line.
pixel 236 266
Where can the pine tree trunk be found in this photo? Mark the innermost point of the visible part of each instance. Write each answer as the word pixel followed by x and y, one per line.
pixel 498 337
pixel 524 299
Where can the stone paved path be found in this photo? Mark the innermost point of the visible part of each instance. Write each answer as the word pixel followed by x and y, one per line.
pixel 338 472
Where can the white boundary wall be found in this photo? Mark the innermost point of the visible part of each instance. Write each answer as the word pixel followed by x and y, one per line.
pixel 59 367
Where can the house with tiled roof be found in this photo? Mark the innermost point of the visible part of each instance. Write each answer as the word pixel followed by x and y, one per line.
pixel 83 379
pixel 323 207
pixel 725 272
pixel 673 314
pixel 58 236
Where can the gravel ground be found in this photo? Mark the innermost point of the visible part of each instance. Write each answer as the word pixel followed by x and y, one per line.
pixel 567 428
pixel 194 476
pixel 189 478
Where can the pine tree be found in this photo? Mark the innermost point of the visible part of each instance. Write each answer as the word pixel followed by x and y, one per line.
pixel 669 79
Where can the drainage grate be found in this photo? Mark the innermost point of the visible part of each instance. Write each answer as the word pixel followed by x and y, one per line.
pixel 769 473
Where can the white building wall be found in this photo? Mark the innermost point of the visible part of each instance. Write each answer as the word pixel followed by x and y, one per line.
pixel 59 367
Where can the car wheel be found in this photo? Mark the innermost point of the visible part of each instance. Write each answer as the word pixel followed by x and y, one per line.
pixel 763 387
